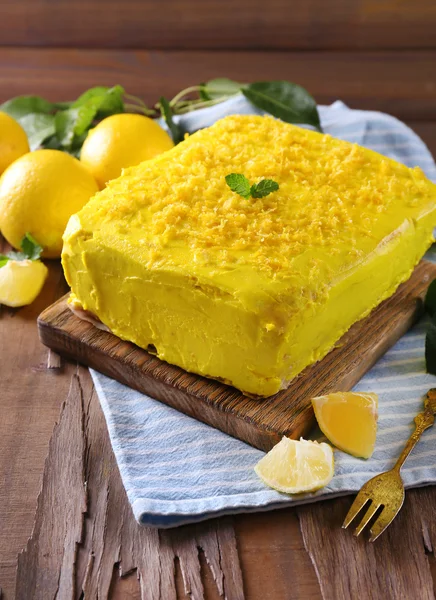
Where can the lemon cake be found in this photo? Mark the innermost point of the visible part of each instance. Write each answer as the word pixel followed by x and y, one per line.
pixel 248 290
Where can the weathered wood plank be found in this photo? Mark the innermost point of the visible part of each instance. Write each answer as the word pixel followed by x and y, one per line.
pixel 349 567
pixel 219 24
pixel 400 83
pixel 46 566
pixel 273 559
pixel 84 525
pixel 29 404
pixel 259 422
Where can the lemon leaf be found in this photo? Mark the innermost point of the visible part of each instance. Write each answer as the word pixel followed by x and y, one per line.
pixel 3 260
pixel 430 348
pixel 285 100
pixel 430 298
pixel 98 102
pixel 38 127
pixel 177 132
pixel 21 106
pixel 221 87
pixel 106 100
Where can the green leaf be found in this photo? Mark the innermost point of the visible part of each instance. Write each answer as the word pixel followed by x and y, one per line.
pixel 65 122
pixel 177 132
pixel 106 100
pixel 264 188
pixel 52 143
pixel 73 123
pixel 219 88
pixel 239 183
pixel 30 250
pixel 38 127
pixel 23 105
pixel 30 247
pixel 430 298
pixel 284 100
pixel 430 348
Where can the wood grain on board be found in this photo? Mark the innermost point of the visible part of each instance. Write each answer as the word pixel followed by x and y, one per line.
pixel 259 422
pixel 219 24
pixel 399 83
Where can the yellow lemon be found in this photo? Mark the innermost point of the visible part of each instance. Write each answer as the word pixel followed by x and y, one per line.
pixel 21 281
pixel 38 194
pixel 349 421
pixel 121 141
pixel 295 466
pixel 13 141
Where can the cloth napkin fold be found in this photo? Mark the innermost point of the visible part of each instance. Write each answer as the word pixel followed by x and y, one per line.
pixel 177 470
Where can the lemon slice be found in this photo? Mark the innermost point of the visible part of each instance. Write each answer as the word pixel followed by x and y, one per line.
pixel 21 281
pixel 349 421
pixel 297 466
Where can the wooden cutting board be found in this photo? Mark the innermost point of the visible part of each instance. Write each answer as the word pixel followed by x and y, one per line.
pixel 260 423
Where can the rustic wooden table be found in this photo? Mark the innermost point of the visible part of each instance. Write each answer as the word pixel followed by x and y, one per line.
pixel 78 538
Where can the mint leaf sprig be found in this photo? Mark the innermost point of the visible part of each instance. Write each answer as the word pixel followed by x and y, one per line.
pixel 30 250
pixel 238 183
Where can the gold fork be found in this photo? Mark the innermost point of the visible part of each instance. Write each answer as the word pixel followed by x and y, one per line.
pixel 386 491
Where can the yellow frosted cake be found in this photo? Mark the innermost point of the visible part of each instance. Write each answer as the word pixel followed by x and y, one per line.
pixel 248 291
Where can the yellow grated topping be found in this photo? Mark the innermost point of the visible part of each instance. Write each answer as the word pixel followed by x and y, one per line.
pixel 332 193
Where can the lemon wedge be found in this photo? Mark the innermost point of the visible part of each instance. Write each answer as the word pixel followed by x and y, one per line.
pixel 349 421
pixel 21 281
pixel 297 466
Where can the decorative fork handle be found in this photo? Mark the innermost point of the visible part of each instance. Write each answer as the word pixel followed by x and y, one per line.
pixel 423 421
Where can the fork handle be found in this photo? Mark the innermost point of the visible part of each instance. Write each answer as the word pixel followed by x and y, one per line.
pixel 423 421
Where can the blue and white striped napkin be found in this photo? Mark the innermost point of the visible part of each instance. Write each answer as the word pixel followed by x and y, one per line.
pixel 177 470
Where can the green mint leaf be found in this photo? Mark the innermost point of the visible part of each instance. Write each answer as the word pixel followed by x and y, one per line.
pixel 23 105
pixel 239 183
pixel 285 100
pixel 30 247
pixel 430 298
pixel 430 348
pixel 38 127
pixel 264 188
pixel 30 250
pixel 219 88
pixel 177 132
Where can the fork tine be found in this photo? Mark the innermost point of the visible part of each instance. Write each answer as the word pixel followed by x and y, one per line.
pixel 366 519
pixel 383 521
pixel 359 502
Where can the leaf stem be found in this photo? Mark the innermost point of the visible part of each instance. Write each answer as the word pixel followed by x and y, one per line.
pixel 144 109
pixel 183 93
pixel 201 104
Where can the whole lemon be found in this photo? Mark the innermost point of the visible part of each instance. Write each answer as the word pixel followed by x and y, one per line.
pixel 13 141
pixel 38 194
pixel 121 141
